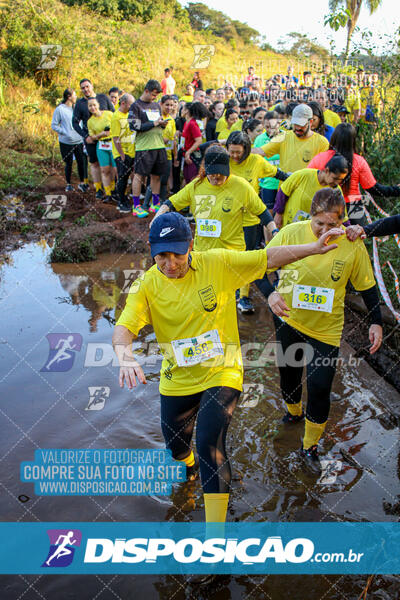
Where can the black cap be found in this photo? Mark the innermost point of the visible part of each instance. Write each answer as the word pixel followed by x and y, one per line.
pixel 216 162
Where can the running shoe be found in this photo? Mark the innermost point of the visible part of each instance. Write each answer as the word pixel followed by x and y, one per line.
pixel 310 457
pixel 115 197
pixel 192 473
pixel 288 418
pixel 124 207
pixel 245 305
pixel 83 187
pixel 139 212
pixel 107 200
pixel 154 207
pixel 99 195
pixel 69 188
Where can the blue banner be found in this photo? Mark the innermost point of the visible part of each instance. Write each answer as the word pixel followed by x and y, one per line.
pixel 178 548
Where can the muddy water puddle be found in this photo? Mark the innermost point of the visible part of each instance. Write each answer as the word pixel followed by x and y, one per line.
pixel 45 409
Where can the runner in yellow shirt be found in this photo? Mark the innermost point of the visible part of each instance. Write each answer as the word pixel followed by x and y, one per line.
pixel 123 149
pixel 252 168
pixel 217 200
pixel 99 125
pixel 296 148
pixel 293 200
pixel 189 299
pixel 308 308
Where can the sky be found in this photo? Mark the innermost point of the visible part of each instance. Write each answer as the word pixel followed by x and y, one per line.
pixel 305 16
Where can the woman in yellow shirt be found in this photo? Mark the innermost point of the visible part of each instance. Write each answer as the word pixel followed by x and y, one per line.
pixel 308 308
pixel 99 125
pixel 231 118
pixel 189 299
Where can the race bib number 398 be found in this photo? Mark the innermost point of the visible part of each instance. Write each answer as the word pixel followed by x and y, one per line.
pixel 192 351
pixel 209 228
pixel 308 297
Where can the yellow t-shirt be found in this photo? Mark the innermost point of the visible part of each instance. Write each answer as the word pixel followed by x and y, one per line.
pixel 329 271
pixel 186 98
pixel 221 124
pixel 331 118
pixel 370 97
pixel 295 153
pixel 353 101
pixel 254 168
pixel 169 134
pixel 224 204
pixel 120 128
pixel 96 124
pixel 300 187
pixel 200 302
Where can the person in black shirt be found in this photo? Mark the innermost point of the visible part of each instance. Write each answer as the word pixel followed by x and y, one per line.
pixel 80 118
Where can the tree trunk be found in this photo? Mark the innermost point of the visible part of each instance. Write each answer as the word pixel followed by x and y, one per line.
pixel 350 31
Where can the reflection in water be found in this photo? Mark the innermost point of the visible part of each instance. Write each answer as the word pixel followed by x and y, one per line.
pixel 360 446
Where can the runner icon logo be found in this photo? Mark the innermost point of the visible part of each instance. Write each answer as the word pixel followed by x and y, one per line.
pixel 98 397
pixel 62 351
pixel 203 54
pixel 208 298
pixel 62 547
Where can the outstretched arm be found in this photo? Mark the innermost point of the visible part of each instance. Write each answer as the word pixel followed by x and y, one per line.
pixel 283 255
pixel 129 367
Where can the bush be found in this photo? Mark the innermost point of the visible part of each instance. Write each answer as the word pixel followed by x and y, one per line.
pixel 22 60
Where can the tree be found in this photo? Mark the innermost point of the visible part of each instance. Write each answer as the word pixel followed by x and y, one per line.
pixel 204 18
pixel 303 46
pixel 349 10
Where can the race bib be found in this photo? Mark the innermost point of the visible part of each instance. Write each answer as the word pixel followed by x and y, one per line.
pixel 152 115
pixel 105 145
pixel 192 351
pixel 301 215
pixel 209 228
pixel 169 145
pixel 308 297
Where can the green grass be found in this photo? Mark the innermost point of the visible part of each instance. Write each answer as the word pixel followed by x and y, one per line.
pixel 19 170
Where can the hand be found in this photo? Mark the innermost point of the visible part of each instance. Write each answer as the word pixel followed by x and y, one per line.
pixel 176 162
pixel 355 231
pixel 127 374
pixel 375 337
pixel 278 218
pixel 188 160
pixel 89 139
pixel 322 245
pixel 123 156
pixel 278 305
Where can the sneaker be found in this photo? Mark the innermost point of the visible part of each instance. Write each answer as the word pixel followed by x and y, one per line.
pixel 83 187
pixel 154 207
pixel 245 305
pixel 107 200
pixel 69 188
pixel 192 473
pixel 124 207
pixel 311 459
pixel 288 418
pixel 99 195
pixel 139 212
pixel 115 197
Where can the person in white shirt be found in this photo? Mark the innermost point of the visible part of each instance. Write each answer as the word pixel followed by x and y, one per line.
pixel 168 83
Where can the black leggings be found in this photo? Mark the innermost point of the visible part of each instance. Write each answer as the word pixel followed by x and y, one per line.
pixel 213 408
pixel 321 361
pixel 68 151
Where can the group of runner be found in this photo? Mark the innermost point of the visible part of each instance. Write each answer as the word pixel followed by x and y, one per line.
pixel 271 194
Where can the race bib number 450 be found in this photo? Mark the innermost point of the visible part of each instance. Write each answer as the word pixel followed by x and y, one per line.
pixel 209 228
pixel 313 298
pixel 192 351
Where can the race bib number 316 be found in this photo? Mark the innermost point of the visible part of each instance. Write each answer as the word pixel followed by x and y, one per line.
pixel 313 298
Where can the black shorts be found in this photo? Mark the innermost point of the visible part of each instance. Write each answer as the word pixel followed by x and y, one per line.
pixel 151 162
pixel 91 150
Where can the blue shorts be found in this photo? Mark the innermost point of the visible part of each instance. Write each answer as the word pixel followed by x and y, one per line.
pixel 105 157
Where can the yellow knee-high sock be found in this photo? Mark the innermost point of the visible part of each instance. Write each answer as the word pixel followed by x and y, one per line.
pixel 189 460
pixel 295 409
pixel 107 189
pixel 245 290
pixel 216 506
pixel 97 185
pixel 86 180
pixel 313 433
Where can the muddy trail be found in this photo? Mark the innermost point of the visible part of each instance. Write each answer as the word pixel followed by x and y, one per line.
pixel 360 479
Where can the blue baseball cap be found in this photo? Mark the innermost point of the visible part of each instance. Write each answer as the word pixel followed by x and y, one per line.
pixel 170 232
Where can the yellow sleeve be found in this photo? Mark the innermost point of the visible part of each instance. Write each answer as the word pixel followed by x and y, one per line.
pixel 323 144
pixel 115 127
pixel 184 197
pixel 136 313
pixel 243 267
pixel 266 169
pixel 273 147
pixel 362 276
pixel 251 200
pixel 291 183
pixel 170 130
pixel 90 127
